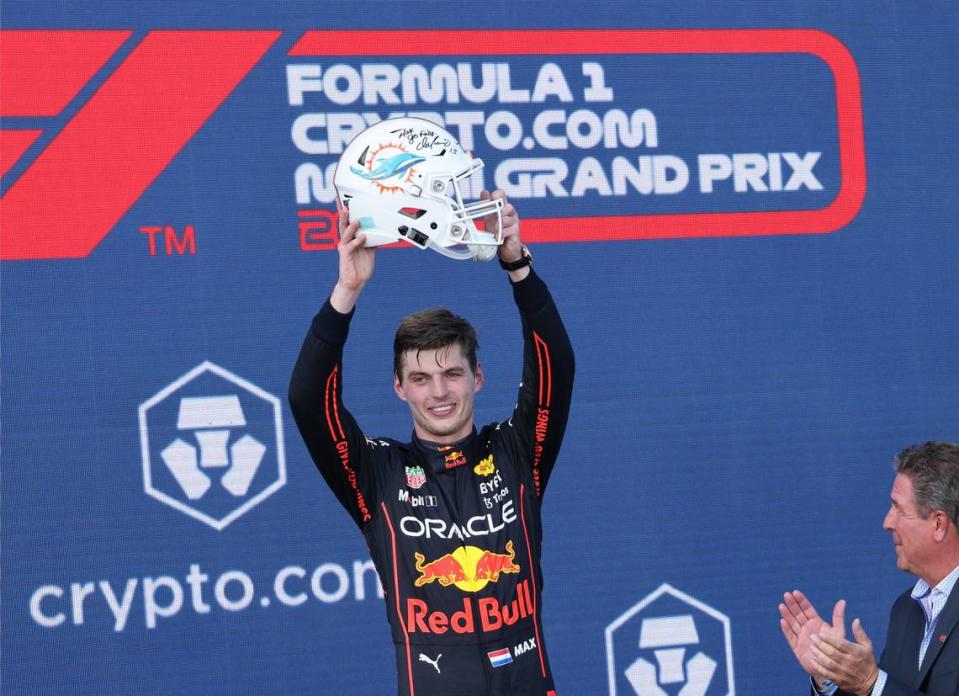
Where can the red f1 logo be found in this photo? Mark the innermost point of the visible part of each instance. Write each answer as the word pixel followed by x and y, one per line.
pixel 120 140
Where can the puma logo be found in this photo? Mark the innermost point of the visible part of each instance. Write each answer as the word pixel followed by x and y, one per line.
pixel 435 663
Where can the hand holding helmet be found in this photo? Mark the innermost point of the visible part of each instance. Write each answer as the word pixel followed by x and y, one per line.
pixel 356 262
pixel 504 226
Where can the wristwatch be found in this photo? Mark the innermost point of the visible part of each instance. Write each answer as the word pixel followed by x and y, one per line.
pixel 522 262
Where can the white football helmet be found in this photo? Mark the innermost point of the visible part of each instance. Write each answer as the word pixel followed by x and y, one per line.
pixel 401 179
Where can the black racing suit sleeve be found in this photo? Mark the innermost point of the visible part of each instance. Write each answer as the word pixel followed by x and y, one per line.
pixel 542 408
pixel 335 441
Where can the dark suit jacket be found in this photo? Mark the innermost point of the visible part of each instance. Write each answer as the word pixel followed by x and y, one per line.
pixel 938 675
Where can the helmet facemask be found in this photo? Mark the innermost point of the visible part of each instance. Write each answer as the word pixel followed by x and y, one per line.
pixel 462 237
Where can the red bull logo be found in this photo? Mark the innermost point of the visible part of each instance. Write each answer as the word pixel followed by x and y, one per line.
pixel 447 569
pixel 468 567
pixel 490 565
pixel 454 459
pixel 490 614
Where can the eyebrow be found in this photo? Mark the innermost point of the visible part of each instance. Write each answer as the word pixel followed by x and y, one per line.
pixel 448 370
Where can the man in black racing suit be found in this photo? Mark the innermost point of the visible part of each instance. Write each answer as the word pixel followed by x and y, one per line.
pixel 452 519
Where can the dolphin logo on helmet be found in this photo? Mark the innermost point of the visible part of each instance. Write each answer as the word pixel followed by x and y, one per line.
pixel 402 177
pixel 389 167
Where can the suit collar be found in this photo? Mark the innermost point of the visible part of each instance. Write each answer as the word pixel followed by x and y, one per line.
pixel 945 585
pixel 440 458
pixel 945 626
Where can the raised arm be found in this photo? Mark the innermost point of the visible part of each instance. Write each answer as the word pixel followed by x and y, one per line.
pixel 542 408
pixel 335 441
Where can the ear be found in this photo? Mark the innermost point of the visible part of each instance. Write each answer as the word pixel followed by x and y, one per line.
pixel 479 378
pixel 398 387
pixel 942 524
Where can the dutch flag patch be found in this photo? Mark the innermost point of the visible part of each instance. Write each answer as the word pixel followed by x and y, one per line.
pixel 501 657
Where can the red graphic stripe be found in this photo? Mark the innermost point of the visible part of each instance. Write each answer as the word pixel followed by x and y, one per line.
pixel 852 157
pixel 520 42
pixel 539 366
pixel 542 354
pixel 338 436
pixel 123 138
pixel 42 71
pixel 329 402
pixel 396 596
pixel 13 143
pixel 336 408
pixel 542 412
pixel 532 572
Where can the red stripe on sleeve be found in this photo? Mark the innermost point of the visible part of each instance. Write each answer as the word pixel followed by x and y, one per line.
pixel 340 442
pixel 336 408
pixel 542 352
pixel 330 405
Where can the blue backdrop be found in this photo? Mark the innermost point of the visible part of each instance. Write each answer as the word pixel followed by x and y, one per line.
pixel 746 212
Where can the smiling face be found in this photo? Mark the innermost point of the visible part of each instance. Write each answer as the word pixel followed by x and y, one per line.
pixel 439 386
pixel 913 535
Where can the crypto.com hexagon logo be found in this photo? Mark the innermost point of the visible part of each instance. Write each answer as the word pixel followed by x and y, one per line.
pixel 670 644
pixel 212 445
